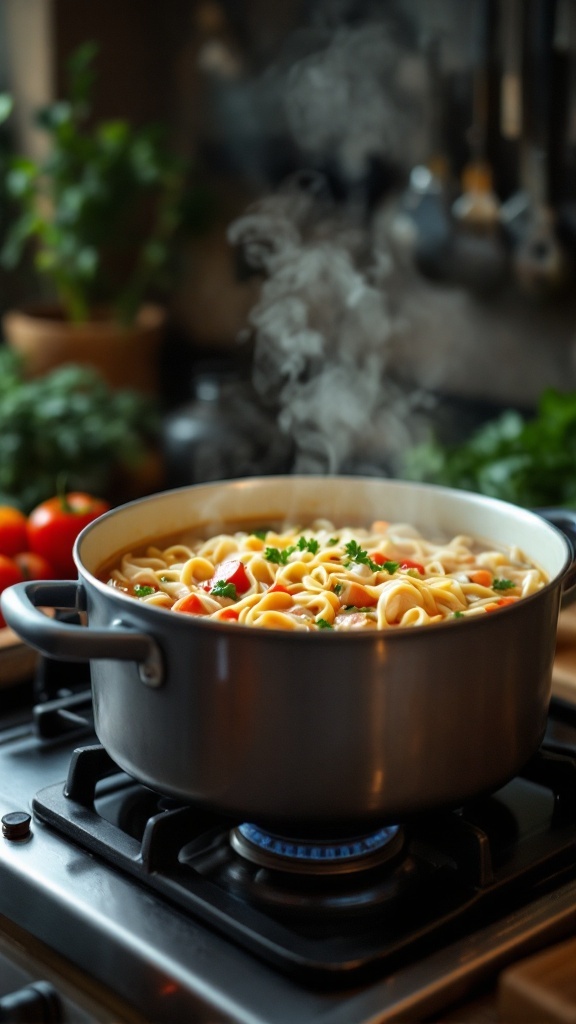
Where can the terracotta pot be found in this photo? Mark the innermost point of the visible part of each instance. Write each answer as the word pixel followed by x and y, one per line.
pixel 127 357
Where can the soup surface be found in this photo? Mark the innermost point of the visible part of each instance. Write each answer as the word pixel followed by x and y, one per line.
pixel 323 578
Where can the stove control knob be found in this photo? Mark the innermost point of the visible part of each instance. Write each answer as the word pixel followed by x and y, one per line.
pixel 37 1003
pixel 16 825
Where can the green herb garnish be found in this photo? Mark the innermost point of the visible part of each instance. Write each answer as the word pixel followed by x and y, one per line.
pixel 143 591
pixel 224 589
pixel 390 567
pixel 359 555
pixel 332 541
pixel 503 584
pixel 310 545
pixel 458 615
pixel 338 588
pixel 324 624
pixel 277 556
pixel 261 534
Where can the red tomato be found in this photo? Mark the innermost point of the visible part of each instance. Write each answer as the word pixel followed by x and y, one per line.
pixel 230 571
pixel 9 574
pixel 33 566
pixel 407 563
pixel 13 530
pixel 54 525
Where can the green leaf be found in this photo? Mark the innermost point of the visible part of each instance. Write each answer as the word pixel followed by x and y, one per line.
pixel 6 106
pixel 223 589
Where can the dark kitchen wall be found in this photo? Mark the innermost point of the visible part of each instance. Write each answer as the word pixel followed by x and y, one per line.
pixel 318 112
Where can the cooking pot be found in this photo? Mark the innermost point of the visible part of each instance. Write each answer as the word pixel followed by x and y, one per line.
pixel 309 731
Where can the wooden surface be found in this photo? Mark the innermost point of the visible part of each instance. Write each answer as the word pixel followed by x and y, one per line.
pixel 17 660
pixel 540 988
pixel 564 676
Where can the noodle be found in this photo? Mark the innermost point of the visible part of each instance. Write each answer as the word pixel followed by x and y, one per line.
pixel 323 578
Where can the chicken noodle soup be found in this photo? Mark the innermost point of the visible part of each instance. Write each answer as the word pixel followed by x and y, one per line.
pixel 323 578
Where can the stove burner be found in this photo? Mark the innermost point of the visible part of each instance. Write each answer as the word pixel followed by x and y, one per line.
pixel 315 856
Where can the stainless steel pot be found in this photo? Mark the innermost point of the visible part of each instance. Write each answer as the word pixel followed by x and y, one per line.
pixel 309 731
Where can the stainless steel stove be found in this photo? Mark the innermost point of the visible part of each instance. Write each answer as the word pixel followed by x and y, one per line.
pixel 132 907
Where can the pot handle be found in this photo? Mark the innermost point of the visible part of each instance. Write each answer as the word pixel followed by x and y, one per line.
pixel 565 520
pixel 20 607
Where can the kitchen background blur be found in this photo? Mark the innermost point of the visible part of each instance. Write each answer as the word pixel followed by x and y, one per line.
pixel 377 236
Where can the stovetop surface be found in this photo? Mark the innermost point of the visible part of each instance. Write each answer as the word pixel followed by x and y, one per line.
pixel 177 965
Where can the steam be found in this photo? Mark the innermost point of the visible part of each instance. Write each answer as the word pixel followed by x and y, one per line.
pixel 322 329
pixel 355 98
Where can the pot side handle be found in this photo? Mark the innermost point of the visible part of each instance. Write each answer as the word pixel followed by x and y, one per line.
pixel 565 520
pixel 20 607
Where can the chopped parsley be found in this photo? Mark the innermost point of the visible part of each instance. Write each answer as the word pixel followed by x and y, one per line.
pixel 140 590
pixel 359 555
pixel 338 588
pixel 277 556
pixel 390 567
pixel 458 615
pixel 261 534
pixel 332 542
pixel 310 545
pixel 224 589
pixel 324 624
pixel 503 584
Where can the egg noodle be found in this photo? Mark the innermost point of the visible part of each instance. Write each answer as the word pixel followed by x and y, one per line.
pixel 323 578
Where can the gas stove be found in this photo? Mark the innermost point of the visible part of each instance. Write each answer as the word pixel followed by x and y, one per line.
pixel 171 912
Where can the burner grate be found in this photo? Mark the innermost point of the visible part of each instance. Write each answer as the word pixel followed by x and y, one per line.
pixel 452 868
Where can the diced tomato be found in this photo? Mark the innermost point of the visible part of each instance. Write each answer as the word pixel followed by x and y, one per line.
pixel 482 577
pixel 278 588
pixel 378 557
pixel 230 571
pixel 407 563
pixel 357 595
pixel 191 604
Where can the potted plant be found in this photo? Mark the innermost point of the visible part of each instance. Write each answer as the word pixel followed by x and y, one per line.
pixel 100 212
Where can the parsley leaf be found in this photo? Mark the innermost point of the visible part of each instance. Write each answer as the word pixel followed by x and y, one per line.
pixel 359 555
pixel 140 590
pixel 391 567
pixel 261 534
pixel 338 588
pixel 503 584
pixel 310 545
pixel 332 542
pixel 324 624
pixel 224 589
pixel 277 556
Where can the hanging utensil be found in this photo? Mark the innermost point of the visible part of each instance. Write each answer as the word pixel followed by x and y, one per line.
pixel 422 225
pixel 539 260
pixel 479 254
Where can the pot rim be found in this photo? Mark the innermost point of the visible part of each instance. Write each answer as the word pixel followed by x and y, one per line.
pixel 151 612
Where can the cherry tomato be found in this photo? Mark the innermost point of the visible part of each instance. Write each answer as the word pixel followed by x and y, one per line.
pixel 13 530
pixel 230 571
pixel 34 566
pixel 54 525
pixel 9 574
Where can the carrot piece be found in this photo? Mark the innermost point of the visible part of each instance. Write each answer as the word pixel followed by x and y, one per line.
pixel 501 603
pixel 482 577
pixel 357 595
pixel 228 613
pixel 191 604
